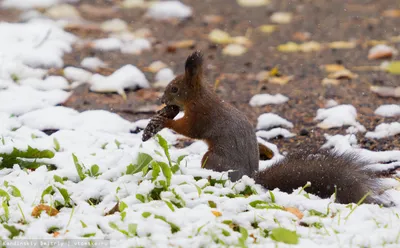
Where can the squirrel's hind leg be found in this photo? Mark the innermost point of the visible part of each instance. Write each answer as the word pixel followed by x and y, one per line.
pixel 213 161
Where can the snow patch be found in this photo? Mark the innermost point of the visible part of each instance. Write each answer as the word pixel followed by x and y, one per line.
pixel 384 130
pixel 268 120
pixel 264 99
pixel 339 116
pixel 169 9
pixel 389 110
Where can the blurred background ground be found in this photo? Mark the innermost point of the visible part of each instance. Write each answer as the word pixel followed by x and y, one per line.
pixel 360 21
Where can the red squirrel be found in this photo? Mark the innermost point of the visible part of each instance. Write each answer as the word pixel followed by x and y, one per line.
pixel 232 144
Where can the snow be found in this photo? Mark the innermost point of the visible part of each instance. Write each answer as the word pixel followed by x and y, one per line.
pixel 50 83
pixel 269 120
pixel 129 46
pixel 389 110
pixel 107 44
pixel 128 76
pixel 36 44
pixel 264 99
pixel 339 116
pixel 22 99
pixel 92 63
pixel 27 4
pixel 275 132
pixel 136 46
pixel 163 77
pixel 169 9
pixel 384 130
pixel 77 74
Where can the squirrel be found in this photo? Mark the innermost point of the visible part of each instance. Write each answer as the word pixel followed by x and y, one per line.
pixel 232 145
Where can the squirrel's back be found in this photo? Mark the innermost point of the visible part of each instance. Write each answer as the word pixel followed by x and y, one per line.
pixel 328 172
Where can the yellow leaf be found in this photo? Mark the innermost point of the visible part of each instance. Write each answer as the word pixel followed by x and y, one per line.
pixel 342 45
pixel 234 50
pixel 281 17
pixel 252 3
pixel 310 46
pixel 274 72
pixel 295 211
pixel 394 67
pixel 342 74
pixel 241 40
pixel 330 81
pixel 333 67
pixel 280 80
pixel 267 28
pixel 216 213
pixel 289 47
pixel 220 37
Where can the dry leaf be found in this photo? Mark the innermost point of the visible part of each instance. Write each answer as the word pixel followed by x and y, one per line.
pixel 234 50
pixel 289 47
pixel 342 45
pixel 311 46
pixel 262 76
pixel 280 80
pixel 330 81
pixel 155 66
pixel 301 36
pixel 241 40
pixel 114 25
pixel 281 17
pixel 213 19
pixel 267 28
pixel 393 13
pixel 96 11
pixel 252 3
pixel 216 213
pixel 333 67
pixel 219 37
pixel 381 52
pixel 375 42
pixel 63 11
pixel 39 208
pixel 295 211
pixel 386 91
pixel 83 28
pixel 342 74
pixel 394 67
pixel 56 234
pixel 180 44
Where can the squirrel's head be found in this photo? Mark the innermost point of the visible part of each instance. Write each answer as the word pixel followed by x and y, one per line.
pixel 186 86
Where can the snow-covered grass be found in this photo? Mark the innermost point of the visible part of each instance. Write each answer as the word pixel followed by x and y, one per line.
pixel 94 159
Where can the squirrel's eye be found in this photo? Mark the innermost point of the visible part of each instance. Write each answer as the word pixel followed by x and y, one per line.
pixel 174 89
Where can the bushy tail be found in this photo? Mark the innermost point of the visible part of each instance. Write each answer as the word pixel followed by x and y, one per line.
pixel 325 171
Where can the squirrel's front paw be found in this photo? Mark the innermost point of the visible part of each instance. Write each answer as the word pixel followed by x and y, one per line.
pixel 156 124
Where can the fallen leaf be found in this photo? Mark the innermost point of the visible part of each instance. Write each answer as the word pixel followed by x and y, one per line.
pixel 333 67
pixel 274 72
pixel 375 42
pixel 216 213
pixel 311 46
pixel 330 81
pixel 289 47
pixel 263 76
pixel 301 36
pixel 63 11
pixel 394 67
pixel 219 37
pixel 212 19
pixel 39 208
pixel 342 74
pixel 386 91
pixel 96 11
pixel 295 211
pixel 173 46
pixel 56 234
pixel 281 17
pixel 155 66
pixel 252 3
pixel 241 40
pixel 234 50
pixel 83 29
pixel 280 80
pixel 267 28
pixel 393 13
pixel 381 52
pixel 342 45
pixel 114 25
pixel 142 33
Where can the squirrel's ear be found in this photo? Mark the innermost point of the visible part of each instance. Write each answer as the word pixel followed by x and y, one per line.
pixel 194 67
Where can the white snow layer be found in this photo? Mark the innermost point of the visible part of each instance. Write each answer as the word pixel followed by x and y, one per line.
pixel 269 120
pixel 128 76
pixel 384 130
pixel 169 9
pixel 339 116
pixel 264 99
pixel 389 110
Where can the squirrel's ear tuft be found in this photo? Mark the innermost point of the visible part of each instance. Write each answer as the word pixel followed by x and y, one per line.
pixel 194 66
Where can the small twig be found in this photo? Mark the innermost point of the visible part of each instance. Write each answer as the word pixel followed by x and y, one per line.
pixel 44 39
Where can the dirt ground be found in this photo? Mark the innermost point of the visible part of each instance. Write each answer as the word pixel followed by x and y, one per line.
pixel 325 21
